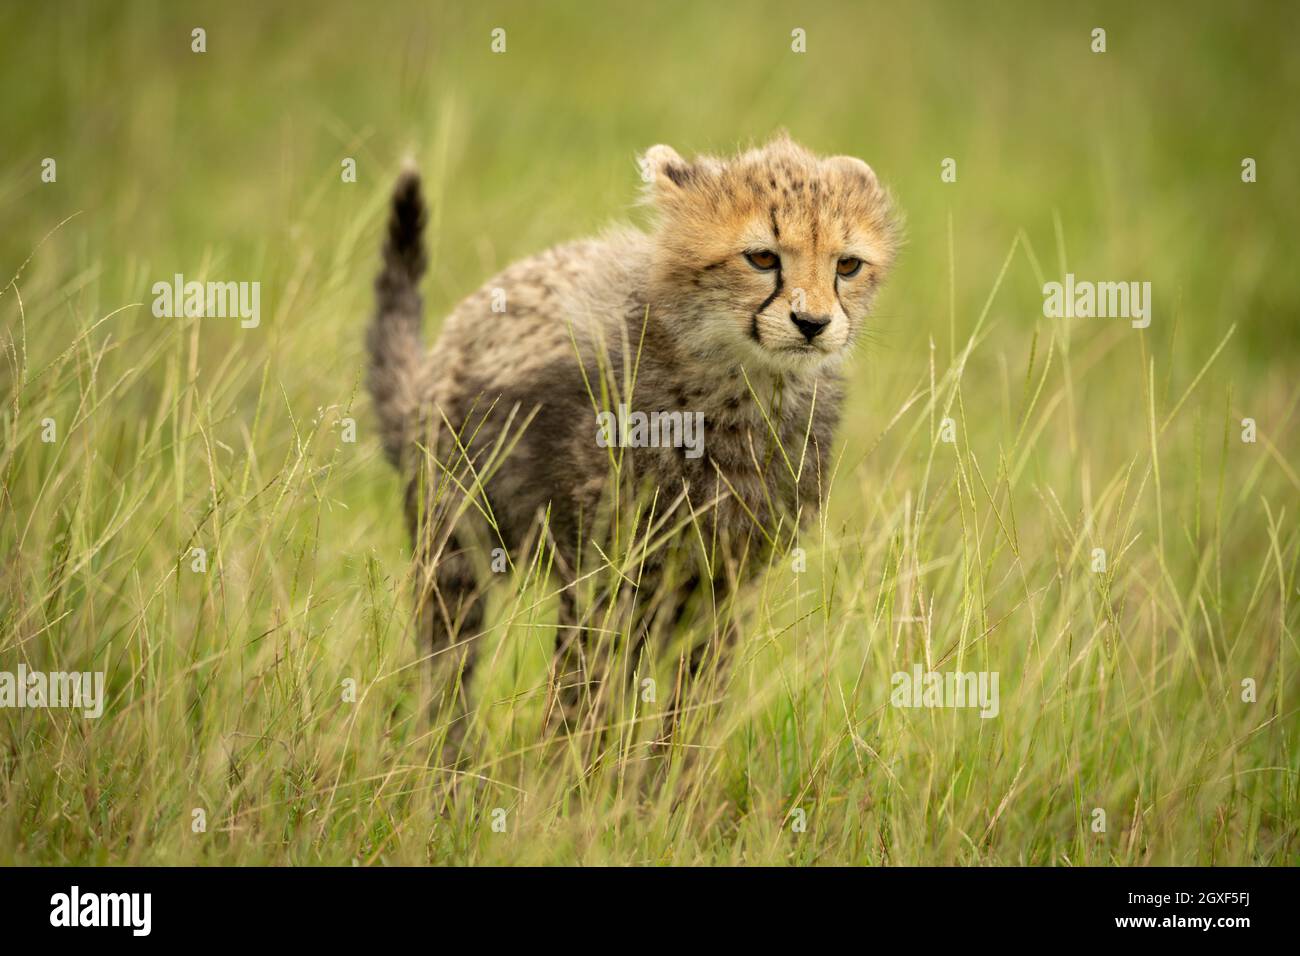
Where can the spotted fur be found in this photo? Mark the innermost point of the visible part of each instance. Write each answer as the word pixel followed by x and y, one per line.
pixel 495 427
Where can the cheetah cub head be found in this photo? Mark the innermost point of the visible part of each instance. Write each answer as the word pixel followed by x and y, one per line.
pixel 771 258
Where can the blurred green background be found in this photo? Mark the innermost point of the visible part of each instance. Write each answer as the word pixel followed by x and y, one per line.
pixel 172 156
pixel 1118 166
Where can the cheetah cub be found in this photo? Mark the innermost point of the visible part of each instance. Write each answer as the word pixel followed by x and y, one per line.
pixel 518 432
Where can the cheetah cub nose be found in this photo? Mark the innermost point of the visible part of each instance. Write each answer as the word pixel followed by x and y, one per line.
pixel 810 325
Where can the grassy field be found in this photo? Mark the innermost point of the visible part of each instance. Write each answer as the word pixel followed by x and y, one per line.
pixel 1126 690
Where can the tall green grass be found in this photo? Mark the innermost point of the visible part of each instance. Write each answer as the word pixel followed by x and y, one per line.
pixel 1121 690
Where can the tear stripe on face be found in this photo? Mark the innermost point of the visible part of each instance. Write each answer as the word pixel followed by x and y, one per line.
pixel 753 324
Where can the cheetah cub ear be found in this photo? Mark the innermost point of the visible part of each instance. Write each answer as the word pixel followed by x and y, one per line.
pixel 662 166
pixel 854 169
pixel 667 176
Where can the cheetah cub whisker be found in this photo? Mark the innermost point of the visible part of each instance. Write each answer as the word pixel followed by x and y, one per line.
pixel 735 310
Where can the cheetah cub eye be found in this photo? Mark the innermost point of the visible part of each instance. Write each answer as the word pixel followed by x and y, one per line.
pixel 764 260
pixel 848 267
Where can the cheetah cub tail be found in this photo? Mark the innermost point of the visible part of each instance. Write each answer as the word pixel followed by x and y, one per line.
pixel 393 338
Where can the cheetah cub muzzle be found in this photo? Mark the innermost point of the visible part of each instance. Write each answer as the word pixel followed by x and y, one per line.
pixel 554 413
